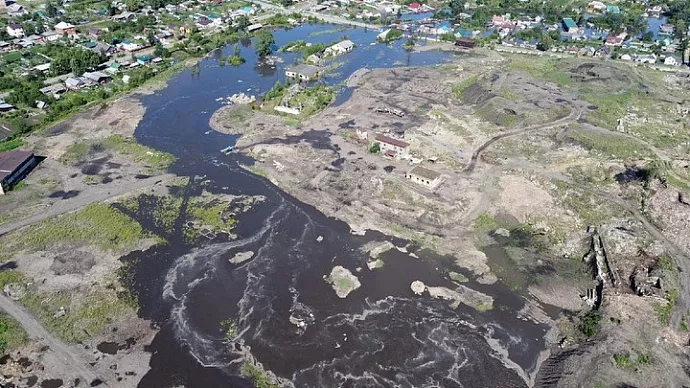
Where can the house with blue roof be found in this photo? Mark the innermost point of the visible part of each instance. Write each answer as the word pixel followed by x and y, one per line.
pixel 614 9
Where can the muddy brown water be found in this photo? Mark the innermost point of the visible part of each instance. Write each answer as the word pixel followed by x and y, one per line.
pixel 380 335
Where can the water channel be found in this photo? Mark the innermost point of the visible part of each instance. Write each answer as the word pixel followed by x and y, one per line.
pixel 380 335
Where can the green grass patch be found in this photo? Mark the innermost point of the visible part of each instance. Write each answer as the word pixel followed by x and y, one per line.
pixel 84 318
pixel 623 361
pixel 97 224
pixel 485 223
pixel 256 376
pixel 611 144
pixel 139 153
pixel 664 310
pixel 256 170
pixel 458 277
pixel 155 160
pixel 12 335
pixel 459 88
pixel 550 69
pixel 610 107
pixel 8 145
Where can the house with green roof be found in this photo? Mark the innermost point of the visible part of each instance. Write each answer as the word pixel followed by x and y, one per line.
pixel 570 26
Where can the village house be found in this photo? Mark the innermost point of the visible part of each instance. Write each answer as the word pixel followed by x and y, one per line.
pixel 53 90
pixel 254 27
pixel 73 83
pixel 614 41
pixel 596 7
pixel 97 77
pixel 15 29
pixel 16 10
pixel 304 72
pixel 63 29
pixel 339 48
pixel 666 29
pixel 314 59
pixel 390 146
pixel 5 107
pixel 569 26
pixel 424 176
pixel 95 33
pixel 670 60
pixel 15 165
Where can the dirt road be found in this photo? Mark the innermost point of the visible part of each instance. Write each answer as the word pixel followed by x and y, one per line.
pixel 71 358
pixel 76 203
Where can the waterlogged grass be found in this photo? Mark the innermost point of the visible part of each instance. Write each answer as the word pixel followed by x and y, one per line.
pixel 156 160
pixel 485 223
pixel 256 170
pixel 97 224
pixel 166 212
pixel 12 335
pixel 256 376
pixel 229 327
pixel 85 315
pixel 611 144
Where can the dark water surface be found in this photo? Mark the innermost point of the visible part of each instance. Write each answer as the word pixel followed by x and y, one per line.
pixel 380 335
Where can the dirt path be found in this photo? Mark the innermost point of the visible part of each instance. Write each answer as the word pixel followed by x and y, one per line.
pixel 78 202
pixel 571 117
pixel 71 358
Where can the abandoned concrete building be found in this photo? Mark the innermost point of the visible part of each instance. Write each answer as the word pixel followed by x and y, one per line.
pixel 14 166
pixel 390 146
pixel 425 177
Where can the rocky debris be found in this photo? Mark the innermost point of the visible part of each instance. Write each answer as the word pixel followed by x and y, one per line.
pixel 377 248
pixel 375 264
pixel 343 281
pixel 242 98
pixel 682 199
pixel 418 287
pixel 319 239
pixel 241 257
pixel 301 316
pixel 502 232
pixel 598 260
pixel 462 294
pixel 646 281
pixel 14 291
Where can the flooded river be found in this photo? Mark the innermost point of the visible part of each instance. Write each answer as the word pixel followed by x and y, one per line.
pixel 380 335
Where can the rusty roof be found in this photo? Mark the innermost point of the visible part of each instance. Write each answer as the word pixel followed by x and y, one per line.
pixel 390 140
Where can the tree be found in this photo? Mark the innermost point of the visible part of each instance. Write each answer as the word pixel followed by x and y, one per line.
pixel 263 46
pixel 242 22
pixel 151 38
pixel 51 10
pixel 648 37
pixel 29 28
pixel 161 51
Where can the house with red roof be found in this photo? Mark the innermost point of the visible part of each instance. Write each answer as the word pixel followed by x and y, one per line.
pixel 416 7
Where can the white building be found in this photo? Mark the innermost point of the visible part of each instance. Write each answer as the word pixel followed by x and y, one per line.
pixel 671 61
pixel 390 146
pixel 16 30
pixel 339 48
pixel 425 177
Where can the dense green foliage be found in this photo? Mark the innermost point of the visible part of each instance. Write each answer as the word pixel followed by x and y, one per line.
pixel 74 59
pixel 589 324
pixel 265 40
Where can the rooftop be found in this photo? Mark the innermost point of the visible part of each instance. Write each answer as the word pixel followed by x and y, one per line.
pixel 425 173
pixel 11 160
pixel 305 70
pixel 569 23
pixel 390 140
